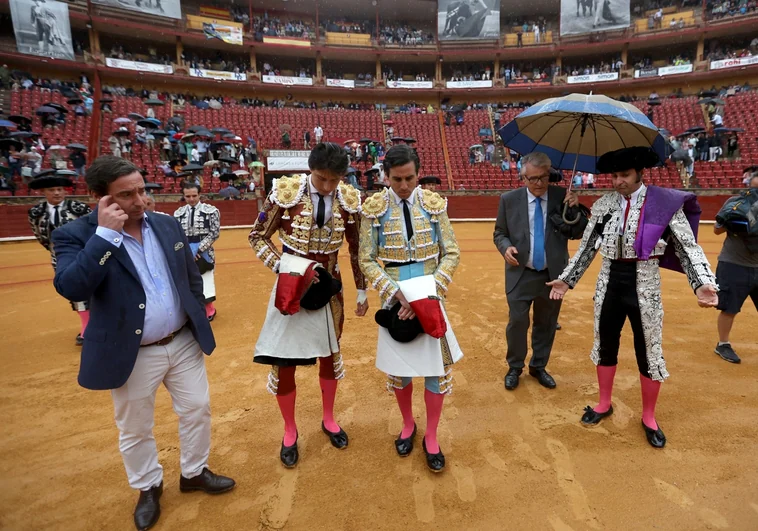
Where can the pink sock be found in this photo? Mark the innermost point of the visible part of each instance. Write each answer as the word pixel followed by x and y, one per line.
pixel 405 401
pixel 84 317
pixel 433 414
pixel 287 407
pixel 650 390
pixel 328 394
pixel 605 377
pixel 209 309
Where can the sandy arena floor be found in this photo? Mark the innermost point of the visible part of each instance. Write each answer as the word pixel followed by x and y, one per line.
pixel 516 460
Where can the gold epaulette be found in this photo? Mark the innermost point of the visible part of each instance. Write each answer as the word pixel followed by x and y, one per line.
pixel 432 202
pixel 376 205
pixel 287 192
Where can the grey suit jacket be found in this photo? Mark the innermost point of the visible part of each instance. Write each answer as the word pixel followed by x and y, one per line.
pixel 512 229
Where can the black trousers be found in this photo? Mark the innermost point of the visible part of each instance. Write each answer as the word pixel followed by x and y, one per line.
pixel 619 304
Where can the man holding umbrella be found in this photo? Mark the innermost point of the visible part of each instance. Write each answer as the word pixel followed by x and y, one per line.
pixel 635 242
pixel 201 223
pixel 52 213
pixel 77 158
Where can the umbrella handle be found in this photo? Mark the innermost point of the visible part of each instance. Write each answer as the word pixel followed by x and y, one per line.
pixel 568 221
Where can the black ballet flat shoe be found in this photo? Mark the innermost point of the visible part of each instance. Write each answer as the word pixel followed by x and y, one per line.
pixel 339 440
pixel 656 438
pixel 79 340
pixel 592 417
pixel 289 454
pixel 435 462
pixel 405 446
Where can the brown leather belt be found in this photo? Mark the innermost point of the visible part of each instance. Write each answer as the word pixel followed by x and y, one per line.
pixel 166 340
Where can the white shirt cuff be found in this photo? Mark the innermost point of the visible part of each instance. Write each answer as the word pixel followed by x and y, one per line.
pixel 361 296
pixel 110 235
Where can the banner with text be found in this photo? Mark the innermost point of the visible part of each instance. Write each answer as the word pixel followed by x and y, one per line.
pixel 287 160
pixel 158 8
pixel 344 83
pixel 663 71
pixel 42 29
pixel 287 41
pixel 223 32
pixel 288 80
pixel 362 83
pixel 410 84
pixel 138 66
pixel 593 78
pixel 484 83
pixel 732 63
pixel 459 20
pixel 220 75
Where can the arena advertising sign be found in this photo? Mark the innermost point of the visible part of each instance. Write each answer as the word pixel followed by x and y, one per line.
pixel 223 32
pixel 484 83
pixel 139 67
pixel 663 71
pixel 585 16
pixel 362 83
pixel 410 84
pixel 727 63
pixel 220 75
pixel 42 28
pixel 287 160
pixel 288 80
pixel 468 19
pixel 344 83
pixel 593 78
pixel 159 8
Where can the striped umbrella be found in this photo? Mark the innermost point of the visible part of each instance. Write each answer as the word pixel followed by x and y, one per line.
pixel 576 130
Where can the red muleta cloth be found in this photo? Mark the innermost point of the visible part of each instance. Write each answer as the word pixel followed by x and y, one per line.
pixel 296 275
pixel 421 293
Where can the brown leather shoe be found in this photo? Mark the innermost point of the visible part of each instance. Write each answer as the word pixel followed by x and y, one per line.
pixel 148 508
pixel 208 482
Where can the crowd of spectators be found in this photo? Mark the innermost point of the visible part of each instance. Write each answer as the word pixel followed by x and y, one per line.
pixel 266 26
pixel 732 52
pixel 348 26
pixel 472 73
pixel 404 35
pixel 152 56
pixel 615 65
pixel 528 73
pixel 240 14
pixel 217 62
pixel 267 69
pixel 390 75
pixel 716 9
pixel 361 76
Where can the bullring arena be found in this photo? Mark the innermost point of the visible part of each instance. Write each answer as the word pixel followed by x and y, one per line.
pixel 517 460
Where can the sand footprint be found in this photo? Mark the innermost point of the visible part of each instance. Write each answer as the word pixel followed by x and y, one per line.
pixel 622 414
pixel 464 477
pixel 714 519
pixel 754 506
pixel 279 505
pixel 494 460
pixel 423 495
pixel 558 524
pixel 673 494
pixel 459 378
pixel 526 452
pixel 186 512
pixel 573 490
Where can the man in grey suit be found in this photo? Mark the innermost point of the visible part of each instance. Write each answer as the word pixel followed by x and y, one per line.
pixel 535 252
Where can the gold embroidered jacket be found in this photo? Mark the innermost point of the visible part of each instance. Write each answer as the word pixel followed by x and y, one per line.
pixel 289 210
pixel 433 242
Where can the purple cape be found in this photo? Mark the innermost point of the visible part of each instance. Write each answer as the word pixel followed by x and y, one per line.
pixel 660 206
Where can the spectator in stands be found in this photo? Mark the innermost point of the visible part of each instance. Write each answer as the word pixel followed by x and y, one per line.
pixel 578 179
pixel 732 148
pixel 658 17
pixel 714 148
pixel 536 34
pixel 78 160
pixel 717 120
pixel 589 180
pixel 681 23
pixel 519 37
pixel 737 276
pixel 318 132
pixel 490 151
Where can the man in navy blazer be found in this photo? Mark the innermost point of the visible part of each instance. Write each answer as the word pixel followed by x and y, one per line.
pixel 147 326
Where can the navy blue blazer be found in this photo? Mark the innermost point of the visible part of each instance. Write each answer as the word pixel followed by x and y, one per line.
pixel 86 272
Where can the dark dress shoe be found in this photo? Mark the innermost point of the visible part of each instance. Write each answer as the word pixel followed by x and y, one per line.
pixel 656 438
pixel 557 326
pixel 591 416
pixel 208 482
pixel 405 446
pixel 543 377
pixel 511 379
pixel 212 316
pixel 148 508
pixel 79 340
pixel 339 439
pixel 435 462
pixel 289 454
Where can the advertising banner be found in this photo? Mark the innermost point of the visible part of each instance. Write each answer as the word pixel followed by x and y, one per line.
pixel 484 83
pixel 593 78
pixel 732 63
pixel 287 160
pixel 288 80
pixel 138 66
pixel 344 83
pixel 410 84
pixel 221 75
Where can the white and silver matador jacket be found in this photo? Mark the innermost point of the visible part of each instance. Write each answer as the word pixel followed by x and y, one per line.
pixel 206 227
pixel 603 234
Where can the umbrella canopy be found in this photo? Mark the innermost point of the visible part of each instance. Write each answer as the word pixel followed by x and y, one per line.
pixel 74 101
pixel 106 99
pixel 217 145
pixel 717 130
pixel 366 140
pixel 179 136
pixel 410 140
pixel 715 101
pixel 576 130
pixel 476 146
pixel 654 103
pixel 159 132
pixel 7 124
pixel 204 133
pixel 65 173
pixel 122 120
pixel 241 173
pixel 285 127
pixel 228 177
pixel 388 122
pixel 696 129
pixel 153 186
pixel 8 142
pixel 257 164
pixel 154 103
pixel 57 148
pixel 195 128
pixel 148 124
pixel 210 163
pixel 398 139
pixel 23 134
pixel 46 109
pixel 488 141
pixel 681 155
pixel 227 160
pixel 220 130
pixel 229 136
pixel 229 191
pixel 19 119
pixel 80 147
pixel 58 106
pixel 135 116
pixel 192 167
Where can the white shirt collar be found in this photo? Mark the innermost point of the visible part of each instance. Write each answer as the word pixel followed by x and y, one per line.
pixel 531 197
pixel 636 194
pixel 397 199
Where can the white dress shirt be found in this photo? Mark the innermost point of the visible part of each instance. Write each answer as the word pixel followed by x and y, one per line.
pixel 328 198
pixel 623 200
pixel 51 212
pixel 399 202
pixel 532 206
